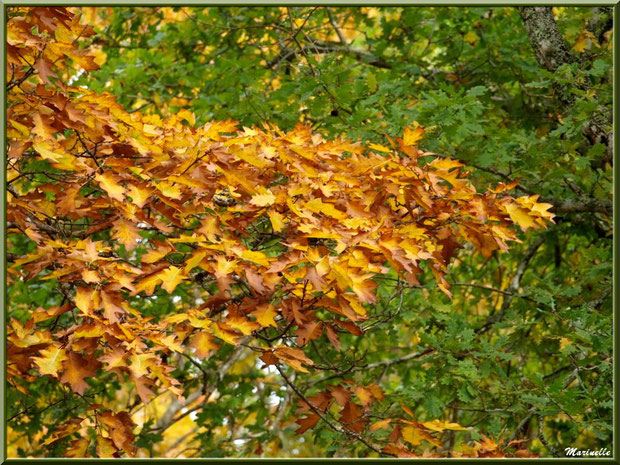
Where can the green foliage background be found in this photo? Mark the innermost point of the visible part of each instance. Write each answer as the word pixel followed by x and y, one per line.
pixel 470 76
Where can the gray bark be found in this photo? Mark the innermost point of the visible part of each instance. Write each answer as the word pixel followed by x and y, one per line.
pixel 601 21
pixel 548 44
pixel 586 204
pixel 552 51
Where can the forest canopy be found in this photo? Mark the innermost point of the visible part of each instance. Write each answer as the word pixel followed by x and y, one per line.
pixel 309 231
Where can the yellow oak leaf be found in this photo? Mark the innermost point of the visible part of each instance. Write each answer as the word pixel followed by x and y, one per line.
pixel 171 278
pixel 265 315
pixel 148 284
pixel 242 324
pixel 584 41
pixel 542 209
pixel 194 261
pixel 119 426
pixel 63 161
pixel 445 163
pixel 156 254
pixel 64 430
pixel 318 206
pixel 86 299
pixel 77 448
pixel 51 360
pixel 170 341
pixel 224 332
pixel 140 363
pixel 89 330
pixel 114 358
pixel 415 436
pixel 380 148
pixel 412 136
pixel 139 194
pixel 142 388
pixel 170 190
pixel 438 425
pixel 90 276
pixel 254 256
pixel 471 38
pixel 277 220
pixel 176 318
pixel 210 228
pixel 322 267
pixel 381 424
pixel 520 216
pixel 252 158
pixel 188 239
pixel 224 267
pixel 364 395
pixel 197 320
pixel 376 391
pixel 407 410
pixel 362 285
pixel 111 306
pixel 263 200
pixel 105 448
pixel 187 115
pixel 109 183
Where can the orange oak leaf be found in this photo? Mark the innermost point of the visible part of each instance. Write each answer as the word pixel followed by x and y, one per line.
pixel 120 427
pixel 44 68
pixel 293 357
pixel 126 233
pixel 308 332
pixel 77 368
pixel 203 343
pixel 64 430
pixel 307 422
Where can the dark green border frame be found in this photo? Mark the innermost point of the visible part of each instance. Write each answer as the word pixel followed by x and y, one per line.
pixel 3 297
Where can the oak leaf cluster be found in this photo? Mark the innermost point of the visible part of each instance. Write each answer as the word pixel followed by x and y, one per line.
pixel 279 235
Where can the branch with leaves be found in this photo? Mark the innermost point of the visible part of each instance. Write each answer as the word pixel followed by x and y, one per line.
pixel 173 254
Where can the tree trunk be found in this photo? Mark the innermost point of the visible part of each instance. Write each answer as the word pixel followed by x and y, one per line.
pixel 602 21
pixel 548 43
pixel 551 51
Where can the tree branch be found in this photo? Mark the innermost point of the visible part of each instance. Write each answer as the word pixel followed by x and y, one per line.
pixel 492 289
pixel 168 418
pixel 514 285
pixel 334 24
pixel 584 204
pixel 383 363
pixel 337 428
pixel 364 56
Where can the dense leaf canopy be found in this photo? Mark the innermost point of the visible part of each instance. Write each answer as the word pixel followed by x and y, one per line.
pixel 309 231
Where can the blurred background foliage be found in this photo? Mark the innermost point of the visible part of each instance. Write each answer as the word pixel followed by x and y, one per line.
pixel 530 359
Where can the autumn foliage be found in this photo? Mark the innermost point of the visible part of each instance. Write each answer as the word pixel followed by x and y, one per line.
pixel 280 236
